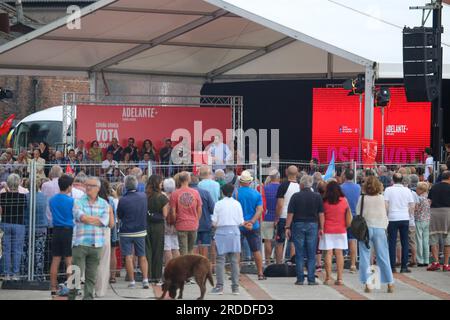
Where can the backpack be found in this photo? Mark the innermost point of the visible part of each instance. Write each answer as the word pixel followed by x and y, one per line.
pixel 359 226
pixel 283 269
pixel 280 271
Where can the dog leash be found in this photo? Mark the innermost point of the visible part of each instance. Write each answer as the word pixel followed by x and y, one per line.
pixel 134 298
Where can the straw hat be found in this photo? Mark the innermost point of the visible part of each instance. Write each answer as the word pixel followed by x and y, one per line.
pixel 245 177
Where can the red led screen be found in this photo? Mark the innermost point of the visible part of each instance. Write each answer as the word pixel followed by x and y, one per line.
pixel 336 127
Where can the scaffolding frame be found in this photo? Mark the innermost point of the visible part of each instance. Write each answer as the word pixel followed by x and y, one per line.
pixel 72 99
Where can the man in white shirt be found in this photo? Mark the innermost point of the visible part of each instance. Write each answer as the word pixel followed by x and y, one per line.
pixel 399 206
pixel 429 163
pixel 219 153
pixel 109 164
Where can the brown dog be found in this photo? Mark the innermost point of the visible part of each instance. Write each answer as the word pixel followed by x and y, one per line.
pixel 180 269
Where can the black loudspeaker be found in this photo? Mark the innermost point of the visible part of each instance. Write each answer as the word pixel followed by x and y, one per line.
pixel 420 64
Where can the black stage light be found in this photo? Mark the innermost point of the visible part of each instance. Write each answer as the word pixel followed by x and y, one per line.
pixel 348 84
pixel 383 97
pixel 356 86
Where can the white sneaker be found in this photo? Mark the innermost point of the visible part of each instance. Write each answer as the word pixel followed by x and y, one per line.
pixel 132 285
pixel 145 284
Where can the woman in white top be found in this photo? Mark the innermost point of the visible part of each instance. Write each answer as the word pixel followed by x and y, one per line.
pixel 374 212
pixel 227 218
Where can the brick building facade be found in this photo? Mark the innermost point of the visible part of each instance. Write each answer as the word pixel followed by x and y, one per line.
pixel 33 93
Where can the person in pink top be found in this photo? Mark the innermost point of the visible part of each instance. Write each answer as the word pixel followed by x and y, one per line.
pixel 186 211
pixel 334 236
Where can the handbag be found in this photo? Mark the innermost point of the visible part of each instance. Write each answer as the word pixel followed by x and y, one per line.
pixel 348 217
pixel 359 226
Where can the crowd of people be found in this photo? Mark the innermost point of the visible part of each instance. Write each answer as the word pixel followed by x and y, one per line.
pixel 224 215
pixel 114 162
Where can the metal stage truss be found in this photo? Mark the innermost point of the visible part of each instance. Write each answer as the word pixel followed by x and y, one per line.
pixel 71 99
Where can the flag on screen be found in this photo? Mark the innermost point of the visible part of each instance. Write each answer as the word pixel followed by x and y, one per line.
pixel 330 170
pixel 4 128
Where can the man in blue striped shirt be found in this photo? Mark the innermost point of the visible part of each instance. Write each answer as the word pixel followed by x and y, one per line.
pixel 91 215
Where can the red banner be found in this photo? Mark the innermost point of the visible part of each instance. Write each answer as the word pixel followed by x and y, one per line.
pixel 4 128
pixel 336 127
pixel 102 123
pixel 369 152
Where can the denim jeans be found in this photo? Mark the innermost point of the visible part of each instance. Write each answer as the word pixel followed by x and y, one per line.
pixel 304 235
pixel 378 241
pixel 403 228
pixel 40 241
pixel 13 240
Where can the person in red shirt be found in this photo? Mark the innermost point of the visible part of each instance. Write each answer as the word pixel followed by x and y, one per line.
pixel 334 236
pixel 186 207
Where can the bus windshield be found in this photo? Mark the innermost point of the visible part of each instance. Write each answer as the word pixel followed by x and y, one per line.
pixel 36 132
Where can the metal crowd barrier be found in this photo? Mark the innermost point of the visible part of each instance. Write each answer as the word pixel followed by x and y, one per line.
pixel 27 239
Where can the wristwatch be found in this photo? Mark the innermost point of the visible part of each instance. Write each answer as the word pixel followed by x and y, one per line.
pixel 286 228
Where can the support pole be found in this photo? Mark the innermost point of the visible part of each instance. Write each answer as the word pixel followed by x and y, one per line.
pixel 436 106
pixel 369 103
pixel 31 224
pixel 65 126
pixel 93 85
pixel 360 129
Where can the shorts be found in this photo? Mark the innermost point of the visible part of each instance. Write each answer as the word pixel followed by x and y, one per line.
pixel 434 239
pixel 350 235
pixel 204 238
pixel 267 230
pixel 280 236
pixel 171 242
pixel 127 244
pixel 62 241
pixel 253 239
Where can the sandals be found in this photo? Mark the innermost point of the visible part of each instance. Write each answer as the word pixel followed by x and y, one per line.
pixel 390 288
pixel 261 277
pixel 339 282
pixel 327 282
pixel 112 280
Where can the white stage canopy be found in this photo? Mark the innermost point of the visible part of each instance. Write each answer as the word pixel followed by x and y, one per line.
pixel 216 40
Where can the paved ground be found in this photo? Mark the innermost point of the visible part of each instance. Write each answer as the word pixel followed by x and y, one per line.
pixel 418 285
